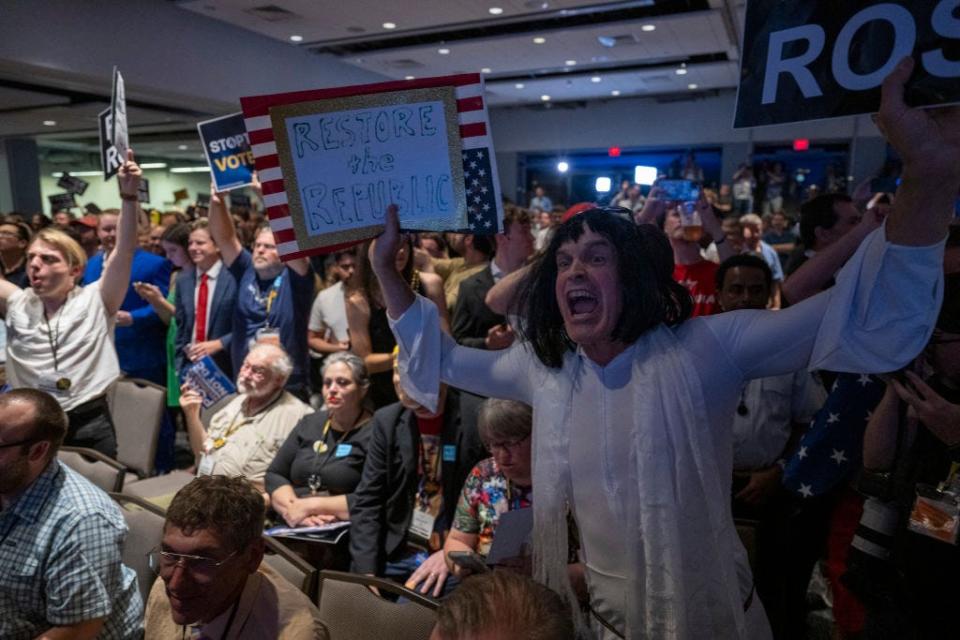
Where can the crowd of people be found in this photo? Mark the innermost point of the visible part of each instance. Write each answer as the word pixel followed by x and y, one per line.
pixel 687 397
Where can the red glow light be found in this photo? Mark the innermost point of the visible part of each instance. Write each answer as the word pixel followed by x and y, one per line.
pixel 613 152
pixel 801 144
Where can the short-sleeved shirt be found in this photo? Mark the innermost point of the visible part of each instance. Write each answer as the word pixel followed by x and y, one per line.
pixel 60 560
pixel 292 295
pixel 81 332
pixel 700 279
pixel 773 404
pixel 329 311
pixel 247 445
pixel 772 259
pixel 335 458
pixel 487 494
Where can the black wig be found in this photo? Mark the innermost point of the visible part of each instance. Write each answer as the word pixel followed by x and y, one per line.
pixel 645 266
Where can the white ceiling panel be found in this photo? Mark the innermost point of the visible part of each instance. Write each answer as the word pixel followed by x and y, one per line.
pixel 326 20
pixel 579 87
pixel 674 38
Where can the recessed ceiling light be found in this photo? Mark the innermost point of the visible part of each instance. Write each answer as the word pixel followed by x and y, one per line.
pixel 296 38
pixel 648 27
pixel 615 92
pixel 182 147
pixel 570 63
pixel 563 166
pixel 389 25
pixel 545 98
pixel 443 51
pixel 539 40
pixel 486 70
pixel 495 10
pixel 519 85
pixel 682 71
pixel 409 77
pixel 596 79
pixel 691 86
pixel 49 123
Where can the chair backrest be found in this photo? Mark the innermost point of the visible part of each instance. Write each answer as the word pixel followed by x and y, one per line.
pixel 99 469
pixel 137 408
pixel 292 567
pixel 352 612
pixel 145 522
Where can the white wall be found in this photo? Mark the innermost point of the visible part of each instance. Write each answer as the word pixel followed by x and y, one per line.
pixel 105 194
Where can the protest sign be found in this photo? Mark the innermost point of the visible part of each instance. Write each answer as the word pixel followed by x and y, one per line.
pixel 110 160
pixel 207 379
pixel 118 112
pixel 240 200
pixel 72 184
pixel 227 147
pixel 330 161
pixel 822 59
pixel 61 201
pixel 143 191
pixel 180 194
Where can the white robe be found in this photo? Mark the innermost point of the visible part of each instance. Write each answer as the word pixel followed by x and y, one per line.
pixel 651 495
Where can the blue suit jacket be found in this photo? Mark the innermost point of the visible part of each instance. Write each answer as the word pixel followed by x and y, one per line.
pixel 219 324
pixel 141 347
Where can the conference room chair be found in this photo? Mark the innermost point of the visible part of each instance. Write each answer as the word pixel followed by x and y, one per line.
pixel 292 567
pixel 101 470
pixel 137 408
pixel 145 523
pixel 352 612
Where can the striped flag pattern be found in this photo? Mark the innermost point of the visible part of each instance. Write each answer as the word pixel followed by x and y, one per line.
pixel 483 217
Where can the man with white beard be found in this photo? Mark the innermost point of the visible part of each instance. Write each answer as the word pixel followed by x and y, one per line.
pixel 244 435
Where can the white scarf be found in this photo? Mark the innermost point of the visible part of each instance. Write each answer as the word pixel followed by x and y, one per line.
pixel 682 578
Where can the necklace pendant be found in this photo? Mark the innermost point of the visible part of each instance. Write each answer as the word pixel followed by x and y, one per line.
pixel 64 384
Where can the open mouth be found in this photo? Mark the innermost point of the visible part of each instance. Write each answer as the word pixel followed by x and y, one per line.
pixel 581 302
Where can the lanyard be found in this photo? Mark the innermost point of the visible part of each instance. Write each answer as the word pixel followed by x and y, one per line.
pixel 272 294
pixel 54 340
pixel 314 480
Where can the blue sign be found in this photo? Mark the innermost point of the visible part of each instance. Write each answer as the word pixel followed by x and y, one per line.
pixel 227 147
pixel 208 380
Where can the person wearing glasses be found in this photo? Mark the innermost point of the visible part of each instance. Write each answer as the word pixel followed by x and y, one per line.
pixel 495 485
pixel 61 538
pixel 213 583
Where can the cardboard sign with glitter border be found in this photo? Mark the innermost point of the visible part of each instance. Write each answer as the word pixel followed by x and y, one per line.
pixel 475 175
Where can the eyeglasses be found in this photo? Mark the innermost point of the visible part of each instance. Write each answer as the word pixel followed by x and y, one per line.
pixel 506 445
pixel 163 562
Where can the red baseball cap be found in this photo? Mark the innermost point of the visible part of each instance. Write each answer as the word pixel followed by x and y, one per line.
pixel 576 209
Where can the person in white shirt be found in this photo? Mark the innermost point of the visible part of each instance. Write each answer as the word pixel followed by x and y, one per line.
pixel 60 334
pixel 633 405
pixel 328 332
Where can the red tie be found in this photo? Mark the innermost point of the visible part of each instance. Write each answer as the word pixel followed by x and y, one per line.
pixel 202 309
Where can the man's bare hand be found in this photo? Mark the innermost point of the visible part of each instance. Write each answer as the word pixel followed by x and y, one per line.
pixel 129 175
pixel 124 319
pixel 926 139
pixel 762 486
pixel 499 336
pixel 432 573
pixel 190 400
pixel 198 350
pixel 938 415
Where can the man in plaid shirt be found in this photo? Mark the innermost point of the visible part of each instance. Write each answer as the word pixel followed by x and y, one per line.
pixel 61 575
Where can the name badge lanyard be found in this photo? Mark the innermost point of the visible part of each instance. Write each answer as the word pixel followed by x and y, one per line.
pixel 320 447
pixel 429 486
pixel 271 296
pixel 63 383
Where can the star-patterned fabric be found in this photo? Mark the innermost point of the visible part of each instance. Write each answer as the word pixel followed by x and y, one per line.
pixel 482 203
pixel 832 448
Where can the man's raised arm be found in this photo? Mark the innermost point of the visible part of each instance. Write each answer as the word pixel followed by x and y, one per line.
pixel 222 231
pixel 397 294
pixel 928 142
pixel 116 273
